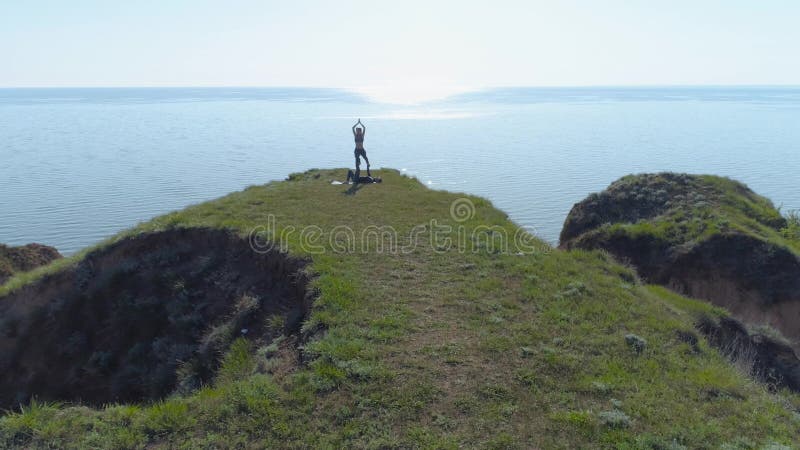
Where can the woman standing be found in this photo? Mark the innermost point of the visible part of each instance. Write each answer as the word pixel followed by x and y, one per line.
pixel 358 134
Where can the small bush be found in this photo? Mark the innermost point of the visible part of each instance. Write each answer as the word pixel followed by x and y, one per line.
pixel 23 424
pixel 327 377
pixel 614 419
pixel 247 306
pixel 166 416
pixel 792 229
pixel 637 343
pixel 238 362
pixel 217 339
pixel 276 323
pixel 122 414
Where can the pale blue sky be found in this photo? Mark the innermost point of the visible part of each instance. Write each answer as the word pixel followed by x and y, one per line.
pixel 415 45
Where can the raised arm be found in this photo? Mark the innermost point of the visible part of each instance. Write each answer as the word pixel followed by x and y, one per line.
pixel 354 127
pixel 363 128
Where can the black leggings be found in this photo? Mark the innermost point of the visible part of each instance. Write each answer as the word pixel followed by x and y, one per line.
pixel 360 152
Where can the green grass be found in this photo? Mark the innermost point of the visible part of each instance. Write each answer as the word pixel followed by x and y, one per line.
pixel 699 207
pixel 436 348
pixel 792 229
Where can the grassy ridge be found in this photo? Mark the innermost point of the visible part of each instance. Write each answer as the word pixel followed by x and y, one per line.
pixel 696 207
pixel 440 348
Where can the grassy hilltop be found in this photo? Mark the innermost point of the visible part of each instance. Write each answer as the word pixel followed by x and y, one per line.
pixel 445 345
pixel 680 211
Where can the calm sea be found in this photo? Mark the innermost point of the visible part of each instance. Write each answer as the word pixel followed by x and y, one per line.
pixel 78 165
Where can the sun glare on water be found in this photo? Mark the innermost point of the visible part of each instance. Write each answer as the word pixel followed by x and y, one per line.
pixel 409 94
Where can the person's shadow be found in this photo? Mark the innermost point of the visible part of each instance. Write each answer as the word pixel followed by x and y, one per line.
pixel 353 189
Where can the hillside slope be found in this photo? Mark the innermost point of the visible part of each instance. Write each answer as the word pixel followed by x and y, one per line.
pixel 478 336
pixel 703 236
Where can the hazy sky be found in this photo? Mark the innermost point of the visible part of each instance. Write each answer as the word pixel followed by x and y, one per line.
pixel 399 45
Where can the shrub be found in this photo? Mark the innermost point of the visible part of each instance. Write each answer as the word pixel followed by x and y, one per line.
pixel 246 307
pixel 23 424
pixel 327 376
pixel 167 416
pixel 238 362
pixel 276 323
pixel 217 339
pixel 792 228
pixel 614 419
pixel 637 343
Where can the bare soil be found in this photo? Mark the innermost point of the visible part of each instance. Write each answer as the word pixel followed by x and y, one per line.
pixel 144 317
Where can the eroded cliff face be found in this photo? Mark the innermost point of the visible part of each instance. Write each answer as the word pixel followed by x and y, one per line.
pixel 767 360
pixel 24 258
pixel 145 316
pixel 702 237
pixel 758 282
